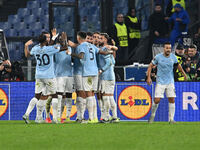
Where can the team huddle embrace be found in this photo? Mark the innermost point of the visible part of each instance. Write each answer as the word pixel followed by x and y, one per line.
pixel 64 67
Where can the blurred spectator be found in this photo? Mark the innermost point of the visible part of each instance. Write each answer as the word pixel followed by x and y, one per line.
pixel 170 7
pixel 134 26
pixel 5 71
pixel 17 72
pixel 191 63
pixel 10 72
pixel 180 55
pixel 196 39
pixel 158 28
pixel 180 19
pixel 120 35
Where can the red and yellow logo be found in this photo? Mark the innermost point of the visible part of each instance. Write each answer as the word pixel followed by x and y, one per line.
pixel 134 102
pixel 3 102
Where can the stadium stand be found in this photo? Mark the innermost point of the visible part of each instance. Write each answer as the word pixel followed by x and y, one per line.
pixel 30 17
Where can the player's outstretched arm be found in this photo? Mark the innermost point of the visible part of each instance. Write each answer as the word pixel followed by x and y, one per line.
pixel 149 81
pixel 114 48
pixel 26 50
pixel 79 56
pixel 72 44
pixel 183 72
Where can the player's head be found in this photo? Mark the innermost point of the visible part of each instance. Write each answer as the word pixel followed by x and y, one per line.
pixel 167 48
pixel 96 38
pixel 89 37
pixel 105 38
pixel 42 39
pixel 47 34
pixel 180 50
pixel 81 36
pixel 192 50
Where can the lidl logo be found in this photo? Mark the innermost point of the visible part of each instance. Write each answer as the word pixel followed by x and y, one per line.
pixel 3 102
pixel 73 110
pixel 134 102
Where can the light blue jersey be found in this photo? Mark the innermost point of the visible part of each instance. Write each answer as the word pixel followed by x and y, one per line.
pixel 77 63
pixel 89 63
pixel 44 57
pixel 165 65
pixel 63 64
pixel 106 63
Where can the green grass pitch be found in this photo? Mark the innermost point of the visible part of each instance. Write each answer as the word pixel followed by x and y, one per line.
pixel 15 135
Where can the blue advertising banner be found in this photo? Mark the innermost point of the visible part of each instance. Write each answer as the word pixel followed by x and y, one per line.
pixel 133 99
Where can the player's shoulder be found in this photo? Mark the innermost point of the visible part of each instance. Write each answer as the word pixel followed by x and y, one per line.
pixel 160 55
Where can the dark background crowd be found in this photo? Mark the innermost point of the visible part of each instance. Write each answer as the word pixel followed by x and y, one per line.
pixel 138 27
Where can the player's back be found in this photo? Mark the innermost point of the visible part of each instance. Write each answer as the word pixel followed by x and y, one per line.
pixel 63 65
pixel 89 63
pixel 44 58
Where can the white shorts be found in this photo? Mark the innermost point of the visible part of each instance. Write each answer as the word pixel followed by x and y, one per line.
pixel 161 89
pixel 107 87
pixel 95 84
pixel 90 83
pixel 78 82
pixel 48 86
pixel 65 84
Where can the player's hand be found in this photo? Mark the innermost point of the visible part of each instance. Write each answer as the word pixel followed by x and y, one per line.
pixel 149 81
pixel 108 46
pixel 29 43
pixel 53 32
pixel 68 52
pixel 100 71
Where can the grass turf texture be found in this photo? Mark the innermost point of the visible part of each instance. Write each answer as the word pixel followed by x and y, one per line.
pixel 116 136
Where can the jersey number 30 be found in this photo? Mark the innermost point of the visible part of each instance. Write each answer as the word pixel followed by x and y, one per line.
pixel 44 60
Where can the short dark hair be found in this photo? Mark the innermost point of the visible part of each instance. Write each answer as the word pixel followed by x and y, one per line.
pixel 82 34
pixel 45 32
pixel 96 32
pixel 105 35
pixel 193 46
pixel 42 38
pixel 167 43
pixel 89 33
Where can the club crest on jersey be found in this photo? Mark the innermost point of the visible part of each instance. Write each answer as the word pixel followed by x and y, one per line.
pixel 3 102
pixel 134 102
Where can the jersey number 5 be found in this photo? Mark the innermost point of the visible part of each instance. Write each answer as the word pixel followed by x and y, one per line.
pixel 44 60
pixel 92 54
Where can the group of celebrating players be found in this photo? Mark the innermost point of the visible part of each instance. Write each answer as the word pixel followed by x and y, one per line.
pixel 86 67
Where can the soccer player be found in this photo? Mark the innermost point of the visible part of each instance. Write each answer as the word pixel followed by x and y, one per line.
pixel 87 55
pixel 63 71
pixel 45 75
pixel 89 37
pixel 107 81
pixel 165 80
pixel 34 100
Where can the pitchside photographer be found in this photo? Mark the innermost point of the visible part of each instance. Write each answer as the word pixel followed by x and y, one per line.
pixel 10 72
